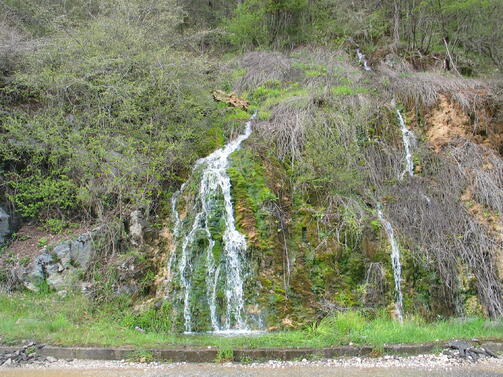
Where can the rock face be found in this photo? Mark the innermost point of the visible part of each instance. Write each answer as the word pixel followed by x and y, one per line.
pixel 9 221
pixel 62 266
pixel 136 227
pixel 230 98
pixel 4 225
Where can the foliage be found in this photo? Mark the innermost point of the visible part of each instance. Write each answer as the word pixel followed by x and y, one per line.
pixel 224 354
pixel 468 30
pixel 269 22
pixel 109 117
pixel 141 356
pixel 75 320
pixel 105 110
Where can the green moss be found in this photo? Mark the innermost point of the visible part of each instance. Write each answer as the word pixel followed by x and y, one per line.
pixel 250 193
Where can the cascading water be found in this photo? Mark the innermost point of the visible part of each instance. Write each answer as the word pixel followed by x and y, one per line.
pixel 363 60
pixel 409 140
pixel 208 250
pixel 395 263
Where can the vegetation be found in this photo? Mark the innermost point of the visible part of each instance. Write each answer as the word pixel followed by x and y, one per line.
pixel 75 320
pixel 110 118
pixel 467 30
pixel 106 105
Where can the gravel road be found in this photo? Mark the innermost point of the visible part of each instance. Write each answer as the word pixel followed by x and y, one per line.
pixel 388 366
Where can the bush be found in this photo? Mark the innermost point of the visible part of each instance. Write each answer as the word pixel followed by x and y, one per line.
pixel 110 116
pixel 10 48
pixel 342 324
pixel 270 22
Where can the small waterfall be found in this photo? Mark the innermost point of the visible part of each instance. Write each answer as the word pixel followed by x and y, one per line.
pixel 409 141
pixel 223 274
pixel 395 263
pixel 363 60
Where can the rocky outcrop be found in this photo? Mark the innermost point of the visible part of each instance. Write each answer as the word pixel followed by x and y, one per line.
pixel 62 266
pixel 448 121
pixel 10 221
pixel 4 225
pixel 137 225
pixel 231 99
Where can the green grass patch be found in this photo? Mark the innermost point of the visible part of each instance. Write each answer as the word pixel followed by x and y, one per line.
pixel 271 94
pixel 344 90
pixel 311 70
pixel 76 320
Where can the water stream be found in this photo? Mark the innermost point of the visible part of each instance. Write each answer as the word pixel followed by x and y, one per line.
pixel 409 140
pixel 363 60
pixel 395 263
pixel 209 221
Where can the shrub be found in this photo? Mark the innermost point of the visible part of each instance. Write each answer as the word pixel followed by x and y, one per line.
pixel 110 116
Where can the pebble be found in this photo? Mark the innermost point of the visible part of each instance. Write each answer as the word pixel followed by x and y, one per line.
pixel 7 363
pixel 424 362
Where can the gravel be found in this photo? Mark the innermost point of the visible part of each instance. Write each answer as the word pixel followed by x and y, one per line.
pixel 414 362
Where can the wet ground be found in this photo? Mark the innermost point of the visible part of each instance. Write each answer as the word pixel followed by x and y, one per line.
pixel 262 370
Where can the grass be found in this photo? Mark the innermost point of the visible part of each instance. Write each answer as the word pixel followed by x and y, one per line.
pixel 343 90
pixel 75 320
pixel 272 94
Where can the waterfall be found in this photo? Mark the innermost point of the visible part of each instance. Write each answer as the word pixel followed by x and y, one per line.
pixel 395 263
pixel 223 273
pixel 363 60
pixel 408 142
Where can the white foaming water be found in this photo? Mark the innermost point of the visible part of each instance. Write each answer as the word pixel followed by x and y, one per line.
pixel 409 141
pixel 363 60
pixel 214 182
pixel 230 333
pixel 395 263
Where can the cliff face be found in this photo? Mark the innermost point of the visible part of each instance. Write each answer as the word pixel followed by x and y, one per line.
pixel 448 121
pixel 326 151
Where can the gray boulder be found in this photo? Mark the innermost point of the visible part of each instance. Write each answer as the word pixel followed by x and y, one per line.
pixel 78 252
pixel 62 266
pixel 137 224
pixel 10 221
pixel 5 229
